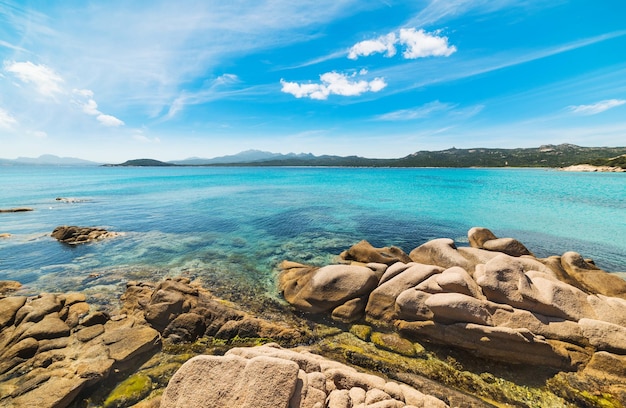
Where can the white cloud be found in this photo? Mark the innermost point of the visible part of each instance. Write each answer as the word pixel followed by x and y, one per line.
pixel 421 44
pixel 46 81
pixel 333 83
pixel 7 121
pixel 385 43
pixel 84 99
pixel 596 108
pixel 418 43
pixel 108 120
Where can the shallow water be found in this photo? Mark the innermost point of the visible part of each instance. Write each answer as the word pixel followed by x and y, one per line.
pixel 230 227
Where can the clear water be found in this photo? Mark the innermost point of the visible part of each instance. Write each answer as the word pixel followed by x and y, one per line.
pixel 230 227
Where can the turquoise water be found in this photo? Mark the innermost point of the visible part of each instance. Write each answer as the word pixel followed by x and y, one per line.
pixel 230 227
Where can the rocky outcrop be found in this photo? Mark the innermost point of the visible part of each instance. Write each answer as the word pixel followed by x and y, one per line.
pixel 494 299
pixel 183 311
pixel 270 376
pixel 52 347
pixel 14 210
pixel 81 235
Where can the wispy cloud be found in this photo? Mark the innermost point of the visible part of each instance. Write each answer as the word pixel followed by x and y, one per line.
pixel 420 112
pixel 211 92
pixel 437 11
pixel 45 80
pixel 597 107
pixel 333 83
pixel 7 121
pixel 431 109
pixel 418 44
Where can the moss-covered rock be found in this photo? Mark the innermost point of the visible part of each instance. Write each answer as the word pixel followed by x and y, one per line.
pixel 393 342
pixel 129 392
pixel 361 331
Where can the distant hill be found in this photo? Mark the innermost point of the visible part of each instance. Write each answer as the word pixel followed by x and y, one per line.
pixel 142 163
pixel 49 160
pixel 248 156
pixel 544 156
pixel 619 161
pixel 553 156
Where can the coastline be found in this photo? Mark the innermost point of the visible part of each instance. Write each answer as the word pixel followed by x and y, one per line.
pixel 443 325
pixel 592 168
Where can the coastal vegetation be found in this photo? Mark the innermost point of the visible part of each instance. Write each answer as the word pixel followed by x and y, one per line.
pixel 549 156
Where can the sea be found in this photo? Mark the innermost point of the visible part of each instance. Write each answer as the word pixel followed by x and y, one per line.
pixel 230 227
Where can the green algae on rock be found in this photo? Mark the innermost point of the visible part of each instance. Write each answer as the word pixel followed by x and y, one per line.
pixel 129 392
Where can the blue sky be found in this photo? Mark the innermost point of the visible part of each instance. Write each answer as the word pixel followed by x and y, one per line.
pixel 116 80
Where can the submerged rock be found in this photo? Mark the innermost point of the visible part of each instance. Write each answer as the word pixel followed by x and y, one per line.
pixel 81 235
pixel 184 311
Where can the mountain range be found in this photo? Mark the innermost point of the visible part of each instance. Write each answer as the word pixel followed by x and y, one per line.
pixel 543 156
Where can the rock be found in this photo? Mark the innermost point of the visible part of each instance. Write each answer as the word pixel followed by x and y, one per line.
pixel 482 238
pixel 351 311
pixel 503 280
pixel 364 252
pixel 15 210
pixel 126 343
pixel 326 288
pixel 286 378
pixel 381 303
pixel 393 270
pixel 81 235
pixel 87 333
pixel 232 381
pixel 604 336
pixel 50 327
pixel 185 312
pixel 8 308
pixel 130 391
pixel 393 342
pixel 187 327
pixel 548 327
pixel 499 343
pixel 507 246
pixel 411 305
pixel 57 392
pixel 441 252
pixel 608 309
pixel 452 280
pixel 7 286
pixel 457 307
pixel 591 278
pixel 477 236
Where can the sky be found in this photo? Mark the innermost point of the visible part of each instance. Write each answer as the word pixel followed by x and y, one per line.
pixel 115 80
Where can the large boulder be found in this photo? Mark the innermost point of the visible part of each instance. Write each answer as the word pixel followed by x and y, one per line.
pixel 326 288
pixel 270 376
pixel 364 252
pixel 483 238
pixel 591 278
pixel 381 303
pixel 441 252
